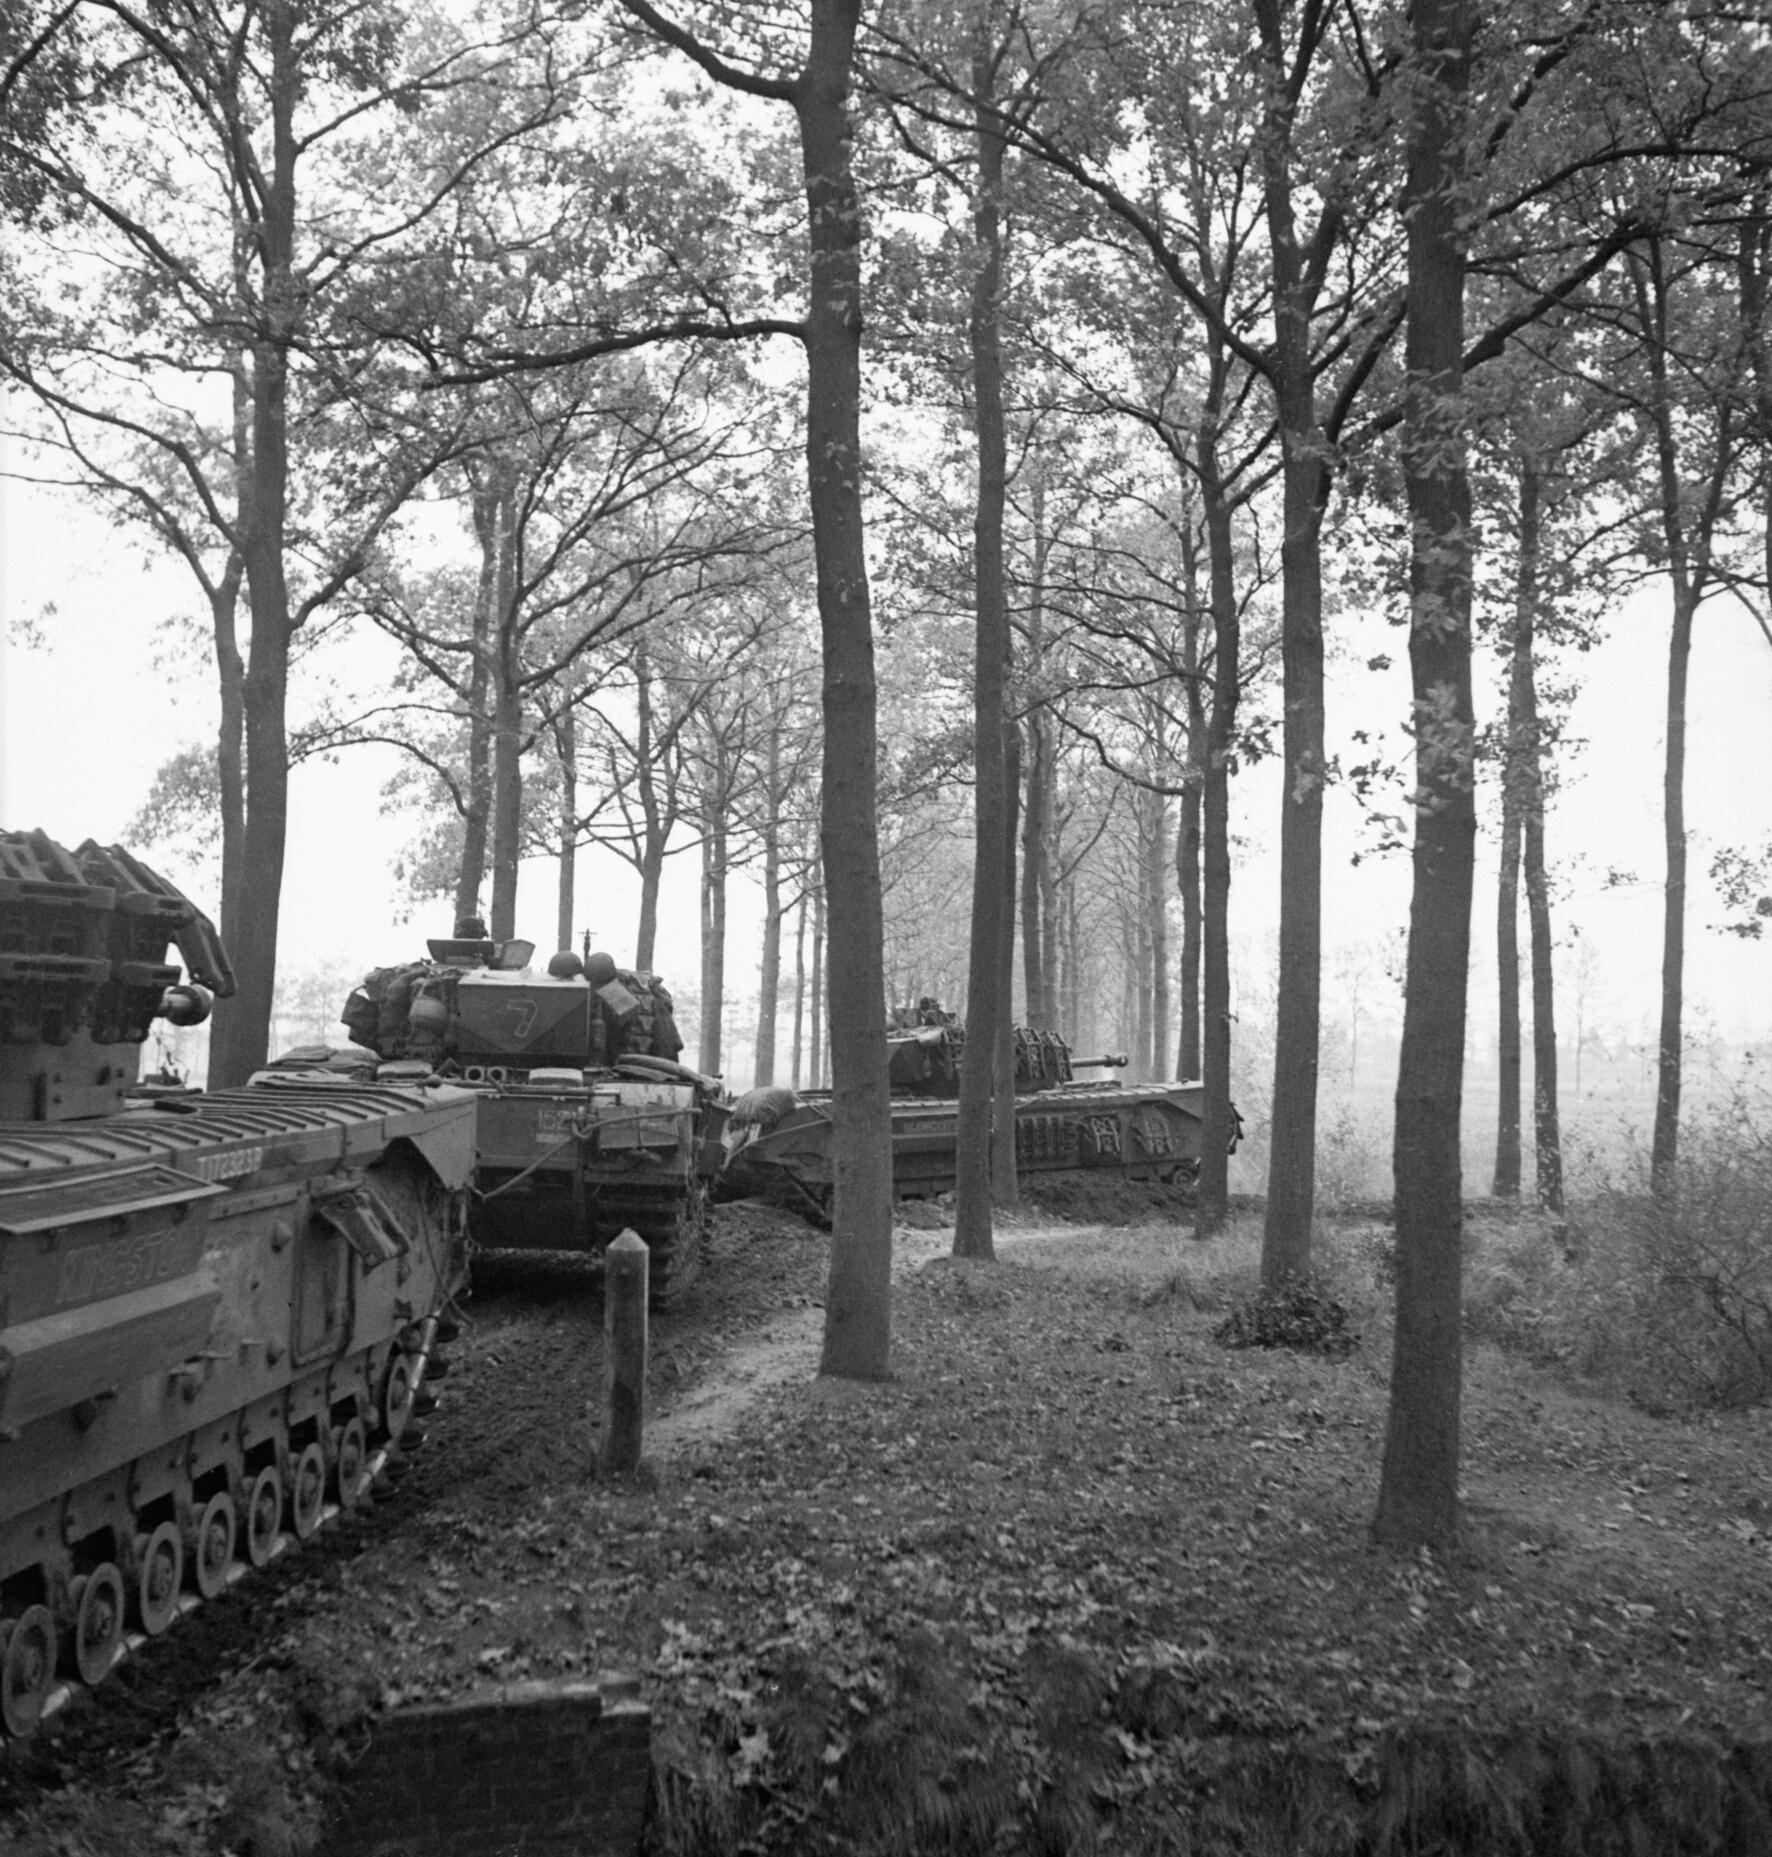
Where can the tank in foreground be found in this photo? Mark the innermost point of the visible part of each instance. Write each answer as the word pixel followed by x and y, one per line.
pixel 589 1123
pixel 218 1311
pixel 780 1142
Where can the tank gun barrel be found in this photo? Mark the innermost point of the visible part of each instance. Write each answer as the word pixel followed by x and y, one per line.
pixel 1099 1063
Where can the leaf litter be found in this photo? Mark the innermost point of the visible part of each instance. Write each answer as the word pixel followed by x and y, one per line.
pixel 1076 1578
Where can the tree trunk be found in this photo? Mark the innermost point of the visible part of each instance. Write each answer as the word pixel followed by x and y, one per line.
pixel 1418 1489
pixel 858 1304
pixel 1035 951
pixel 1073 964
pixel 769 971
pixel 1546 1114
pixel 1670 1043
pixel 492 518
pixel 817 1073
pixel 1005 1178
pixel 507 800
pixel 1520 749
pixel 1212 1198
pixel 799 993
pixel 713 922
pixel 1187 833
pixel 990 902
pixel 1286 1238
pixel 1156 884
pixel 230 766
pixel 506 672
pixel 566 738
pixel 238 1041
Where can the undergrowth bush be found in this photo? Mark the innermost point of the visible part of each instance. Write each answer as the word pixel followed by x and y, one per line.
pixel 1668 1298
pixel 1300 1314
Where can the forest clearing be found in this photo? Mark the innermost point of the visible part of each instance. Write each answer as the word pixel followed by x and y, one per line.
pixel 1078 1578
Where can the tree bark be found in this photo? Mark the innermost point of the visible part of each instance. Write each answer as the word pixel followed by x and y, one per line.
pixel 769 969
pixel 1157 906
pixel 1005 1179
pixel 1519 745
pixel 491 524
pixel 1547 1129
pixel 817 1072
pixel 1418 1488
pixel 1188 828
pixel 238 1041
pixel 1286 1237
pixel 799 993
pixel 566 738
pixel 1035 952
pixel 990 902
pixel 713 920
pixel 858 1303
pixel 1212 1198
pixel 653 828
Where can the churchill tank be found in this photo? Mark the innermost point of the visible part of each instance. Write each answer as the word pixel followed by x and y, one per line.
pixel 780 1143
pixel 589 1122
pixel 220 1312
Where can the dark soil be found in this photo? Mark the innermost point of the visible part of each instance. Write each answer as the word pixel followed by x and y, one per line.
pixel 1077 1578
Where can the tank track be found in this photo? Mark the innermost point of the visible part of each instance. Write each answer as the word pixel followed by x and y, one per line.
pixel 220 1318
pixel 671 1218
pixel 222 1545
pixel 676 1234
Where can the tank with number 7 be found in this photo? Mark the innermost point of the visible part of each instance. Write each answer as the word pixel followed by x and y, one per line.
pixel 589 1123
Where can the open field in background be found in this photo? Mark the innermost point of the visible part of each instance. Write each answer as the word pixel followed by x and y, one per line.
pixel 1605 1127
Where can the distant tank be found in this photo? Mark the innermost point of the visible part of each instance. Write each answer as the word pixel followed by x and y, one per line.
pixel 218 1311
pixel 779 1141
pixel 589 1124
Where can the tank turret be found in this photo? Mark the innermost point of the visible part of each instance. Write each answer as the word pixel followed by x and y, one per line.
pixel 588 1123
pixel 83 973
pixel 478 1008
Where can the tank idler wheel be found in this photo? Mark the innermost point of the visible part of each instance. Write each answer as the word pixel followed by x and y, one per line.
pixel 307 1492
pixel 264 1515
pixel 212 1544
pixel 27 1668
pixel 350 1465
pixel 98 1622
pixel 160 1571
pixel 398 1391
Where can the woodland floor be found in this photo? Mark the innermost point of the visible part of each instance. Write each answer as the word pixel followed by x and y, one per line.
pixel 1077 1578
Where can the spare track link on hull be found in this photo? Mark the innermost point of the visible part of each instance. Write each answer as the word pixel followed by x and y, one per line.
pixel 218 1322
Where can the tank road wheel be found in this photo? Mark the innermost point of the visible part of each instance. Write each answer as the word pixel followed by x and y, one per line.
pixel 27 1668
pixel 98 1622
pixel 212 1544
pixel 307 1492
pixel 264 1515
pixel 398 1391
pixel 160 1570
pixel 350 1468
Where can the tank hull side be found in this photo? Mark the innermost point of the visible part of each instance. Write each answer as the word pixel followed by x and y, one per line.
pixel 208 1313
pixel 1137 1131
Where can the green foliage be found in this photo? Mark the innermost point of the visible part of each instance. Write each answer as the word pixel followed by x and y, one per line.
pixel 1299 1314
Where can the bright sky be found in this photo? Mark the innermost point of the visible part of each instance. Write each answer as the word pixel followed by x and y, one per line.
pixel 84 724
